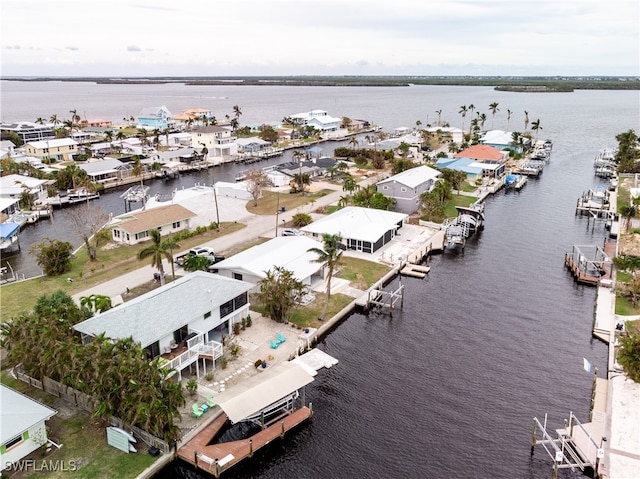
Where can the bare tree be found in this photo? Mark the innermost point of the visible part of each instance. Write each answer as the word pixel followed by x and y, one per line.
pixel 256 181
pixel 87 221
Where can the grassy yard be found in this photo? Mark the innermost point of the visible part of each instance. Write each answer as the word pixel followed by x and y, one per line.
pixel 112 262
pixel 271 201
pixel 457 200
pixel 84 443
pixel 624 307
pixel 361 273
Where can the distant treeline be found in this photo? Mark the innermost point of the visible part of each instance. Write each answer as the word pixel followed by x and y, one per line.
pixel 504 83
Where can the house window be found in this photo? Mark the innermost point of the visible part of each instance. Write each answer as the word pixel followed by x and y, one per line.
pixel 175 224
pixel 116 233
pixel 12 442
pixel 385 187
pixel 207 315
pixel 237 276
pixel 403 189
pixel 128 238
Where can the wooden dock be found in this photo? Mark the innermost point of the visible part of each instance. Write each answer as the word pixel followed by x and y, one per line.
pixel 217 458
pixel 415 270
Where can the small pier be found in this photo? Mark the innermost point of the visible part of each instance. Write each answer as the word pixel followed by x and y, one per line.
pixel 217 458
pixel 594 202
pixel 415 270
pixel 271 401
pixel 589 265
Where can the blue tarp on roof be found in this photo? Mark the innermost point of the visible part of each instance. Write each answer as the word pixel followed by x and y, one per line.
pixel 7 230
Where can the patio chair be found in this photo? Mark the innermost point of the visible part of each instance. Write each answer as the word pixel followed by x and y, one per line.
pixel 210 402
pixel 196 411
pixel 280 338
pixel 273 344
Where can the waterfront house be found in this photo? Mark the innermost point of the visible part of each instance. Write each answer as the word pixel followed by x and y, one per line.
pixel 154 118
pixel 254 146
pixel 493 161
pixel 175 139
pixel 81 137
pixel 28 131
pixel 501 140
pixel 289 252
pixel 182 321
pixel 59 149
pixel 219 140
pixel 471 168
pixel 133 227
pixel 13 186
pixel 8 207
pixel 447 133
pixel 362 229
pixel 406 187
pixel 23 426
pixel 96 123
pixel 106 171
pixel 304 118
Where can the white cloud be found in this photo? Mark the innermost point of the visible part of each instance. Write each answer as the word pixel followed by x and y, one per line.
pixel 271 37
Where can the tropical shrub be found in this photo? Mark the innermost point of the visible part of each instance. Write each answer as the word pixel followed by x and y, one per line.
pixel 53 256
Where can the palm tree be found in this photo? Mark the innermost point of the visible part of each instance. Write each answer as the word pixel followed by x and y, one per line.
pixel 329 256
pixel 482 118
pixel 439 113
pixel 75 118
pixel 508 118
pixel 349 184
pixel 628 212
pixel 54 119
pixel 40 120
pixel 108 136
pixel 463 113
pixel 471 108
pixel 159 250
pixel 526 120
pixel 494 108
pixel 138 170
pixel 237 112
pixel 535 126
pixel 298 156
pixel 353 142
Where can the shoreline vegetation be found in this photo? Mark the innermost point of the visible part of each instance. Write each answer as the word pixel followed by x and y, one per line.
pixel 541 84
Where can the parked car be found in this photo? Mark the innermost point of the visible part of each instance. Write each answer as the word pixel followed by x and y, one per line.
pixel 292 232
pixel 197 251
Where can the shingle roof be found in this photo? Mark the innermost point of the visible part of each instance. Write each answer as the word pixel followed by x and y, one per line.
pixel 154 315
pixel 152 218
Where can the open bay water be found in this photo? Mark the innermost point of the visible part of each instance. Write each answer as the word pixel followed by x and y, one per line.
pixel 492 337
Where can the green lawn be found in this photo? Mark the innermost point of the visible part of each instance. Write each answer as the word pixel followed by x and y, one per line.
pixel 624 307
pixel 84 443
pixel 457 200
pixel 112 262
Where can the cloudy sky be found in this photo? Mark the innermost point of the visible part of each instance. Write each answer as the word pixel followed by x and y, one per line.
pixel 327 37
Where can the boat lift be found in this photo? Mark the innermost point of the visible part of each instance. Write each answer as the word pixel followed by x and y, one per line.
pixel 135 194
pixel 574 448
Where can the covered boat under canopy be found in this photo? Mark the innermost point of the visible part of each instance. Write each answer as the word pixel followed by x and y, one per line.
pixel 261 391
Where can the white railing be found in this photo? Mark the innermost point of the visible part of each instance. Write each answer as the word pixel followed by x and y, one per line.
pixel 195 347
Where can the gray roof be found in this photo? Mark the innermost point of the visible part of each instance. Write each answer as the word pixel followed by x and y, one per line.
pixel 102 166
pixel 289 252
pixel 158 313
pixel 19 413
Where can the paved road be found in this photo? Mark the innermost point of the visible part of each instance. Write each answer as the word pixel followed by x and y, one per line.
pixel 257 226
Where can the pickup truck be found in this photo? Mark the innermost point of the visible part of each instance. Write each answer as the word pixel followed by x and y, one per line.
pixel 198 251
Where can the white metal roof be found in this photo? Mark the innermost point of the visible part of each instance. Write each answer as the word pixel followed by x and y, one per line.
pixel 358 223
pixel 19 413
pixel 157 313
pixel 289 252
pixel 413 177
pixel 54 143
pixel 256 393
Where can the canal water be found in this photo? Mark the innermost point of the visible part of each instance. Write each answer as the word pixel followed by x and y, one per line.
pixel 494 336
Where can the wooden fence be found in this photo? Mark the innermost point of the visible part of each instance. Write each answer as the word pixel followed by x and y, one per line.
pixel 89 404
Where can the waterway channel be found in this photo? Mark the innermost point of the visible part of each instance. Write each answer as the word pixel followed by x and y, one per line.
pixel 491 338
